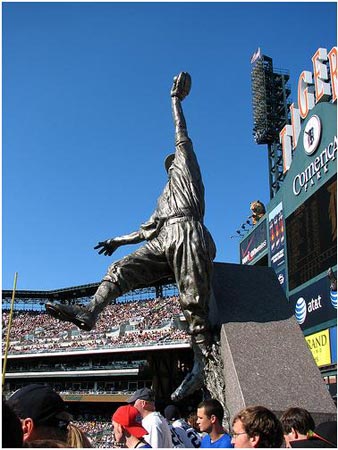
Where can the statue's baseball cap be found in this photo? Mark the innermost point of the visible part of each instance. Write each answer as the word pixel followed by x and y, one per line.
pixel 142 394
pixel 130 419
pixel 40 403
pixel 168 161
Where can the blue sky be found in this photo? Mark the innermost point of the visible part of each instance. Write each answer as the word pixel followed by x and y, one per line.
pixel 87 120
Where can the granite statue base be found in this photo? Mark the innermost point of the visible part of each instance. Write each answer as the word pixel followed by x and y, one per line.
pixel 265 358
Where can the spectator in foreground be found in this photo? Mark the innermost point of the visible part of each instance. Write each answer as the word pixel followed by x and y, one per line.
pixel 324 436
pixel 192 421
pixel 42 412
pixel 12 434
pixel 256 427
pixel 210 415
pixel 159 432
pixel 187 436
pixel 127 429
pixel 296 423
pixel 76 438
pixel 45 443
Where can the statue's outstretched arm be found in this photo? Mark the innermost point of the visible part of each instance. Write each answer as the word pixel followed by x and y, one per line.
pixel 109 246
pixel 180 89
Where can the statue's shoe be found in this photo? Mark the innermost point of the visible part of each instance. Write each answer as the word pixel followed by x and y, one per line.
pixel 191 383
pixel 78 315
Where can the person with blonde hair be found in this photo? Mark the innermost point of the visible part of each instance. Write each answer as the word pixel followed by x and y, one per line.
pixel 77 438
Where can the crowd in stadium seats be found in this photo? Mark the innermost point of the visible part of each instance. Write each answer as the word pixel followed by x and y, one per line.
pixel 98 430
pixel 145 323
pixel 23 366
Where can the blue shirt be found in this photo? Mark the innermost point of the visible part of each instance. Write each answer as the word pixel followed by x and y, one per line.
pixel 222 442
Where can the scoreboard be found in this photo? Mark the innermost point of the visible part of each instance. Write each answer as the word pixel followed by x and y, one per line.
pixel 311 232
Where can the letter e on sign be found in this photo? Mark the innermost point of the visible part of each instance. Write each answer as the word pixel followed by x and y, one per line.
pixel 321 76
pixel 333 71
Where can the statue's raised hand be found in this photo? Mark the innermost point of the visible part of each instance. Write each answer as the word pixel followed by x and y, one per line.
pixel 107 247
pixel 181 86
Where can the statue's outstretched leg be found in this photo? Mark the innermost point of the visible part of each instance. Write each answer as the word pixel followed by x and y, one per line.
pixel 194 380
pixel 85 317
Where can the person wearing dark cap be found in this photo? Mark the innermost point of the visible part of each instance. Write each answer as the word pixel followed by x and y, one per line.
pixel 159 435
pixel 42 412
pixel 183 435
pixel 323 436
pixel 296 423
pixel 178 246
pixel 12 435
pixel 127 427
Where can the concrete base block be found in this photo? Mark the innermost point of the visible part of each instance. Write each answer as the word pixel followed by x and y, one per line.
pixel 266 359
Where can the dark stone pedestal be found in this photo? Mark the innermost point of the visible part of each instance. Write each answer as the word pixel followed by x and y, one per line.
pixel 266 358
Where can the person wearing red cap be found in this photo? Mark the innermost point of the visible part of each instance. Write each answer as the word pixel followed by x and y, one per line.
pixel 127 427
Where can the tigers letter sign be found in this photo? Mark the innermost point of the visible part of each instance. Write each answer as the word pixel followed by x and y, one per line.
pixel 312 89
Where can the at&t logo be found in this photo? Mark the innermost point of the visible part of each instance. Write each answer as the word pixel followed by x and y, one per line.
pixel 303 307
pixel 300 310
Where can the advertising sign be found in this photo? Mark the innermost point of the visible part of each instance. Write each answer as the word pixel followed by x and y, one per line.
pixel 254 244
pixel 312 305
pixel 277 236
pixel 333 341
pixel 319 344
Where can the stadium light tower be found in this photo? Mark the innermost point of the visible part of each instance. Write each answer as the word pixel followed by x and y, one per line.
pixel 270 104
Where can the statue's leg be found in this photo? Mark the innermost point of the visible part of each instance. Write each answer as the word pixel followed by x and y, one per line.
pixel 195 290
pixel 85 317
pixel 201 340
pixel 144 266
pixel 193 276
pixel 106 293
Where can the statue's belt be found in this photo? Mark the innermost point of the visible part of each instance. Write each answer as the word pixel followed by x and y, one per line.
pixel 173 220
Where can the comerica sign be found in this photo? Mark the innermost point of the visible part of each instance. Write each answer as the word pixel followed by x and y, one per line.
pixel 315 168
pixel 321 86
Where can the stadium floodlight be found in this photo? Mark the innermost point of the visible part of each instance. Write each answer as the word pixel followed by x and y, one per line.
pixel 270 106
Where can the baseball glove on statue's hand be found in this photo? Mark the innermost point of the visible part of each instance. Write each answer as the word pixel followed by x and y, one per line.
pixel 181 86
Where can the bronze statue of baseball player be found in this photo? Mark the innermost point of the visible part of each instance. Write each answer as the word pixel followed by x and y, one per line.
pixel 177 244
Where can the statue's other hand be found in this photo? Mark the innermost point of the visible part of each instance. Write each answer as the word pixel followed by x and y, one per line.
pixel 181 85
pixel 107 247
